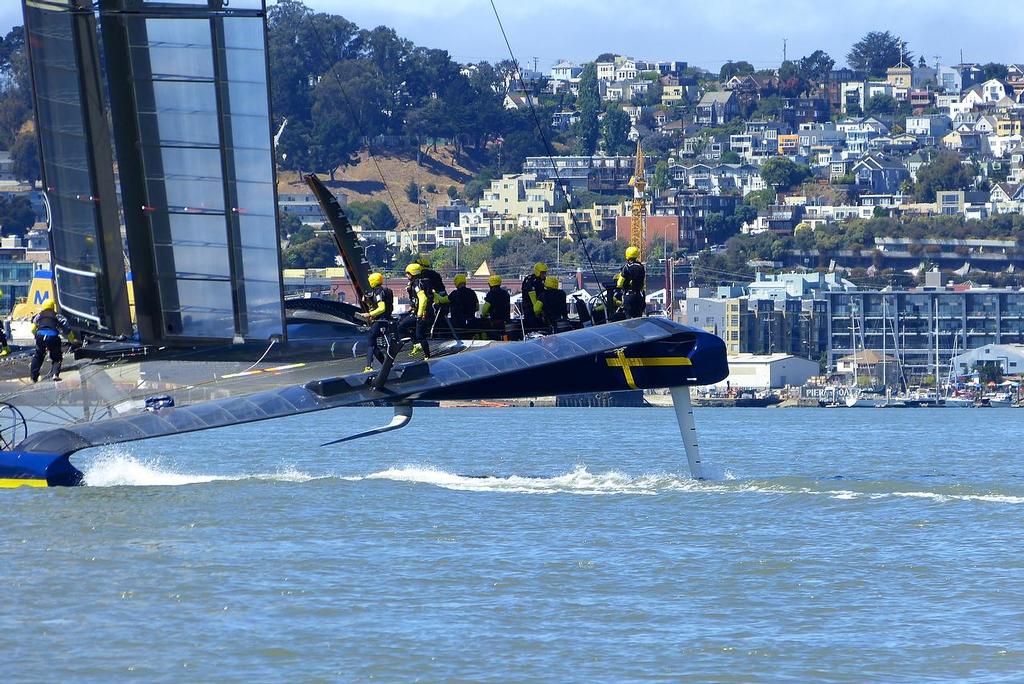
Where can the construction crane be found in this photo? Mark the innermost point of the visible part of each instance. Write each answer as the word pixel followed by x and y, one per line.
pixel 638 220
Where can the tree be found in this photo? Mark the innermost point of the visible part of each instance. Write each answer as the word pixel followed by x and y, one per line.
pixel 25 156
pixel 730 69
pixel 783 174
pixel 349 106
pixel 760 199
pixel 994 70
pixel 372 214
pixel 876 52
pixel 816 67
pixel 660 179
pixel 412 192
pixel 16 215
pixel 944 172
pixel 588 103
pixel 881 103
pixel 731 157
pixel 318 252
pixel 453 192
pixel 615 131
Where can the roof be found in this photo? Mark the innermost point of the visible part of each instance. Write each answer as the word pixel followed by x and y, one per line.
pixel 715 97
pixel 868 357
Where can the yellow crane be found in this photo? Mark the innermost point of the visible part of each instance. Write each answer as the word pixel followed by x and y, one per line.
pixel 638 219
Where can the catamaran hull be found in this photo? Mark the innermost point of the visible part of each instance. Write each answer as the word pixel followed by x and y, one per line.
pixel 28 469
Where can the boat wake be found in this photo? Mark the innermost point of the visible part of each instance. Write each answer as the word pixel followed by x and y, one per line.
pixel 123 470
pixel 582 481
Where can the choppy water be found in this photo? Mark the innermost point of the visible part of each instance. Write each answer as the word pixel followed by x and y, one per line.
pixel 531 544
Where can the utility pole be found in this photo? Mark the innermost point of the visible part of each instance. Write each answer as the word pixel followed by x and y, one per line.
pixel 784 41
pixel 535 60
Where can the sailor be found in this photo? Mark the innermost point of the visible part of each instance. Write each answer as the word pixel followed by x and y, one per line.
pixel 533 297
pixel 416 323
pixel 47 325
pixel 463 303
pixel 556 305
pixel 440 291
pixel 497 307
pixel 632 281
pixel 380 303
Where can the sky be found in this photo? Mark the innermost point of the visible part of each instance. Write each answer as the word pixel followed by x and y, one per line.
pixel 704 33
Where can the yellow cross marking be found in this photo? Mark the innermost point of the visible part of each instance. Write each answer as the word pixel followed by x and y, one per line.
pixel 627 364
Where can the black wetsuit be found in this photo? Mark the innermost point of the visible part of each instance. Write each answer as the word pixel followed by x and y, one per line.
pixel 49 325
pixel 535 284
pixel 556 306
pixel 413 324
pixel 634 277
pixel 463 305
pixel 381 323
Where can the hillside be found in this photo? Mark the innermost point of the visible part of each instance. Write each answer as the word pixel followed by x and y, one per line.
pixel 363 181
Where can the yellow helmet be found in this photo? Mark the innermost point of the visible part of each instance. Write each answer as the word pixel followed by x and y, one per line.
pixel 413 269
pixel 376 279
pixel 551 282
pixel 50 305
pixel 632 253
pixel 460 279
pixel 494 280
pixel 540 268
pixel 423 260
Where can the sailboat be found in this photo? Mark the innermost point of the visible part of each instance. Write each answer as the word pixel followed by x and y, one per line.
pixel 204 338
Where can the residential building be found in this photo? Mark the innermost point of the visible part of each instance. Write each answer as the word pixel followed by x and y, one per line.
pixel 877 173
pixel 565 71
pixel 521 195
pixel 717 108
pixel 768 371
pixel 928 128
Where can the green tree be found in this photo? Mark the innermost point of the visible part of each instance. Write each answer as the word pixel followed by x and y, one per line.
pixel 349 105
pixel 816 67
pixel 372 214
pixel 660 179
pixel 453 192
pixel 730 69
pixel 16 215
pixel 876 52
pixel 760 199
pixel 615 131
pixel 944 172
pixel 994 70
pixel 783 173
pixel 731 157
pixel 25 157
pixel 881 103
pixel 318 252
pixel 587 129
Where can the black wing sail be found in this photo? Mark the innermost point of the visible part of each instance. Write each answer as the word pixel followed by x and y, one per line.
pixel 352 253
pixel 189 94
pixel 77 166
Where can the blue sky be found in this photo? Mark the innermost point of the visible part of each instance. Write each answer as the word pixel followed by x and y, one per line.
pixel 704 33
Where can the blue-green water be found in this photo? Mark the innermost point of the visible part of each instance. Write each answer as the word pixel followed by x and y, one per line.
pixel 838 545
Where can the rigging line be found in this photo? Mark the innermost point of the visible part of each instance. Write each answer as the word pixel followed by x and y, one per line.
pixel 355 115
pixel 547 144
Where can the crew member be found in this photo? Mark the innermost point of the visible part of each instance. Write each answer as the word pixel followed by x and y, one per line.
pixel 47 325
pixel 463 303
pixel 380 303
pixel 556 305
pixel 632 281
pixel 440 291
pixel 533 297
pixel 416 323
pixel 497 307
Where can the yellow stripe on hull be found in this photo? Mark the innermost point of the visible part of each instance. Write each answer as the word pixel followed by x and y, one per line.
pixel 12 482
